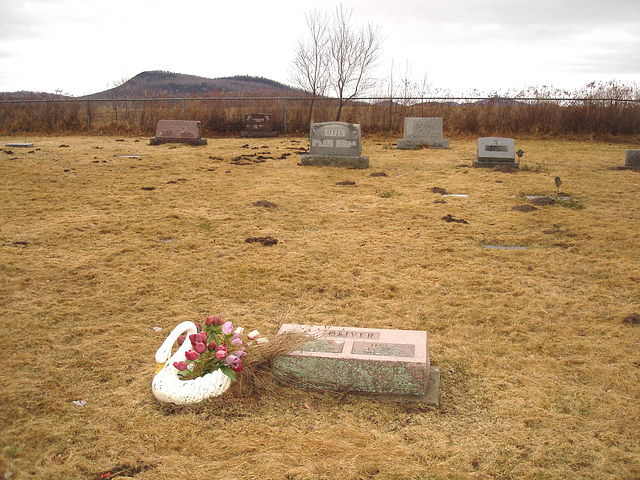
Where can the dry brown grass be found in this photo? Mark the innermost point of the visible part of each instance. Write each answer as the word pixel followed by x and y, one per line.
pixel 540 376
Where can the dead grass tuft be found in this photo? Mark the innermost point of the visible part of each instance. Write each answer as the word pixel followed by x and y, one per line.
pixel 258 373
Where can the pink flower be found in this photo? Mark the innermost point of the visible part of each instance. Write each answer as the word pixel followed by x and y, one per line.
pixel 180 365
pixel 181 340
pixel 262 340
pixel 253 335
pixel 212 346
pixel 217 320
pixel 203 336
pixel 239 331
pixel 194 338
pixel 234 362
pixel 221 353
pixel 227 328
pixel 236 341
pixel 200 347
pixel 191 355
pixel 208 321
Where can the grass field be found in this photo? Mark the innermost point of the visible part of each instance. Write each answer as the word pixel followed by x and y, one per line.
pixel 104 238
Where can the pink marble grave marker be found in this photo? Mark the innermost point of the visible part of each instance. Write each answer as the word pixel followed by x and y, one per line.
pixel 178 131
pixel 387 364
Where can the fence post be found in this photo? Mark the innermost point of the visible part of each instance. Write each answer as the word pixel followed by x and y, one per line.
pixel 88 115
pixel 184 109
pixel 285 115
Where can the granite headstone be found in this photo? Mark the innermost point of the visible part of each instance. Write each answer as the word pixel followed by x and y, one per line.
pixel 258 125
pixel 494 151
pixel 422 132
pixel 178 131
pixel 336 144
pixel 386 364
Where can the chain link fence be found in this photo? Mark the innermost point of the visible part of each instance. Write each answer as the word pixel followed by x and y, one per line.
pixel 292 115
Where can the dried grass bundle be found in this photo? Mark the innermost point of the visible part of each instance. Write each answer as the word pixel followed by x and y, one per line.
pixel 258 367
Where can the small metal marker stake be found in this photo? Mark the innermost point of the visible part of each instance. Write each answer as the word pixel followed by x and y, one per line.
pixel 26 131
pixel 558 183
pixel 520 153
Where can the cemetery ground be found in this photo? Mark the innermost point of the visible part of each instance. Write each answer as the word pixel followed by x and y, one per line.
pixel 104 238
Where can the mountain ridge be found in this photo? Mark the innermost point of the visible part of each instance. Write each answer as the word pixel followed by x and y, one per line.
pixel 159 83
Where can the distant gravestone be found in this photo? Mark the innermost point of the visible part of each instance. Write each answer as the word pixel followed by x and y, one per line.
pixel 178 131
pixel 494 151
pixel 387 364
pixel 422 131
pixel 258 125
pixel 335 144
pixel 632 158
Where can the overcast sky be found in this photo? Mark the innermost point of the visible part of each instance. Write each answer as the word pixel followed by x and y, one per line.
pixel 83 46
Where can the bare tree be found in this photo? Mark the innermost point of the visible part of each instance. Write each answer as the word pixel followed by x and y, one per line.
pixel 310 64
pixel 336 56
pixel 353 54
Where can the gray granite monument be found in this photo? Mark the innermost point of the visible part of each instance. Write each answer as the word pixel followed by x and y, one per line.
pixel 335 144
pixel 422 132
pixel 632 158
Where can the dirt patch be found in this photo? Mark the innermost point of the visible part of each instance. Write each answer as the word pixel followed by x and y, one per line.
pixel 439 190
pixel 543 201
pixel 450 219
pixel 633 319
pixel 524 208
pixel 265 204
pixel 378 174
pixel 266 241
pixel 346 182
pixel 122 471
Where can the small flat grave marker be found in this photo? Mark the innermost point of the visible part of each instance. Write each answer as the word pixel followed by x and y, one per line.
pixel 335 144
pixel 502 247
pixel 422 131
pixel 19 145
pixel 178 131
pixel 258 125
pixel 494 151
pixel 387 364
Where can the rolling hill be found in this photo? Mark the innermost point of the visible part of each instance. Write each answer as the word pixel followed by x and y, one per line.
pixel 168 84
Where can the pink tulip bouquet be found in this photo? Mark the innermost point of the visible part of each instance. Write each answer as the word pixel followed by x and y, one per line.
pixel 216 346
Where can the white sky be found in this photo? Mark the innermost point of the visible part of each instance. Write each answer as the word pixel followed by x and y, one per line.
pixel 85 46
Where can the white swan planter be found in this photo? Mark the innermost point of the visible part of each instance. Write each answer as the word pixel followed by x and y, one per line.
pixel 167 386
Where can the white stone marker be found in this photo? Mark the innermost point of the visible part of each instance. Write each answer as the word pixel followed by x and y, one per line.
pixel 494 151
